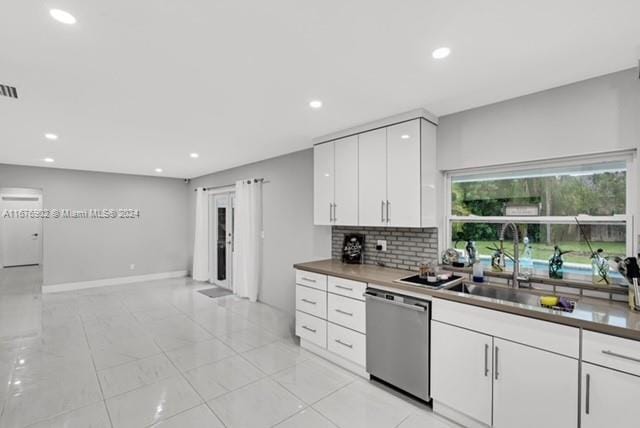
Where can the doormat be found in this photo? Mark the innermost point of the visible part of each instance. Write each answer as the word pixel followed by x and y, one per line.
pixel 215 292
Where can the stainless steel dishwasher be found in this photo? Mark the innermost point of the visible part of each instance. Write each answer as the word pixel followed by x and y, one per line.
pixel 398 341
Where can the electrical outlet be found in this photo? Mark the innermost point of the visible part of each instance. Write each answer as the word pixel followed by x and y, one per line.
pixel 381 245
pixel 132 266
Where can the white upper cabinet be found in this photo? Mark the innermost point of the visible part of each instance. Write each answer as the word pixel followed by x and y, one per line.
pixel 345 208
pixel 372 159
pixel 403 175
pixel 383 177
pixel 323 171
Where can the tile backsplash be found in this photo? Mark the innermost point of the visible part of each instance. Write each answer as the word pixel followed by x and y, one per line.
pixel 406 247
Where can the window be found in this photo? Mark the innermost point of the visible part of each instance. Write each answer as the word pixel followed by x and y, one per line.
pixel 544 199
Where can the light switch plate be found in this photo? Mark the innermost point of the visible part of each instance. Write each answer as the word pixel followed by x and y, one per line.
pixel 382 243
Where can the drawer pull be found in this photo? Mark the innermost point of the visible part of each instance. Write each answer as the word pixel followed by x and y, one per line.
pixel 486 360
pixel 342 287
pixel 311 302
pixel 344 344
pixel 349 314
pixel 304 278
pixel 587 400
pixel 312 330
pixel 614 354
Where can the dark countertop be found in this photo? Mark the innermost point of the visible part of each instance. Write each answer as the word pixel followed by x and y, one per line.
pixel 599 315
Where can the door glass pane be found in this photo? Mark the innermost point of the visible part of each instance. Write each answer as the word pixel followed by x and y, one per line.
pixel 221 244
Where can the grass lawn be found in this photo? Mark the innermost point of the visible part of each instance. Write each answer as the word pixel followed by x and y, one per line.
pixel 580 250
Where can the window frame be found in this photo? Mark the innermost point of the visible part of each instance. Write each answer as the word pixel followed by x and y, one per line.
pixel 627 219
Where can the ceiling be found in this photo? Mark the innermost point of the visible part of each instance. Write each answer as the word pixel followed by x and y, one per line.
pixel 137 85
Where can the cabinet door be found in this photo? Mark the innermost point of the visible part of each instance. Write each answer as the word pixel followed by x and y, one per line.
pixel 403 174
pixel 323 179
pixel 461 370
pixel 372 173
pixel 345 209
pixel 533 388
pixel 608 398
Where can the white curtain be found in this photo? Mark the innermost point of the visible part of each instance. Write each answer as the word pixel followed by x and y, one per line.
pixel 247 256
pixel 200 270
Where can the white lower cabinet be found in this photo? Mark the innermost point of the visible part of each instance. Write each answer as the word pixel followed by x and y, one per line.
pixel 461 370
pixel 533 388
pixel 609 398
pixel 479 379
pixel 347 343
pixel 311 328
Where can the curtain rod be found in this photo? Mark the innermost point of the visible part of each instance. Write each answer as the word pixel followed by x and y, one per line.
pixel 255 180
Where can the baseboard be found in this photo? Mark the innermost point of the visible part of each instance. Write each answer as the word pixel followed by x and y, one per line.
pixel 81 285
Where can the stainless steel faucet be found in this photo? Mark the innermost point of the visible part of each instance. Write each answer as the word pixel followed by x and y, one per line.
pixel 515 282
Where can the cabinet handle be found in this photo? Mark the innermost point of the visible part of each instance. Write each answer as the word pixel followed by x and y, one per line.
pixel 304 278
pixel 342 287
pixel 350 314
pixel 309 301
pixel 615 354
pixel 496 364
pixel 334 212
pixel 312 330
pixel 344 344
pixel 486 360
pixel 388 203
pixel 382 211
pixel 330 212
pixel 587 394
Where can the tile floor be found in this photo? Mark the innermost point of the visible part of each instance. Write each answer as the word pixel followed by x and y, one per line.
pixel 161 354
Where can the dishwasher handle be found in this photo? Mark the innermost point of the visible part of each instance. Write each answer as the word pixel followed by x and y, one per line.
pixel 416 308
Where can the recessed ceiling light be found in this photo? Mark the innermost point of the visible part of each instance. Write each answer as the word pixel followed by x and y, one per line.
pixel 158 169
pixel 62 16
pixel 49 160
pixel 315 104
pixel 405 136
pixel 51 137
pixel 441 53
pixel 194 155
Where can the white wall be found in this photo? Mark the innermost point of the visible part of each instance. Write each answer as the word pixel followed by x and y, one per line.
pixel 289 234
pixel 596 115
pixel 90 249
pixel 593 116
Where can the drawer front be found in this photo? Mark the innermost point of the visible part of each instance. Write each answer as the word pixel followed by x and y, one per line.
pixel 347 287
pixel 311 279
pixel 347 312
pixel 311 301
pixel 347 343
pixel 548 336
pixel 311 328
pixel 611 351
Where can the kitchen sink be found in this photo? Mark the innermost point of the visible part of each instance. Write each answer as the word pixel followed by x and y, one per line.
pixel 498 293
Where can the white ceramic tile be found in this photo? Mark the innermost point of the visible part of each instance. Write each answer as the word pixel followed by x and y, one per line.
pixel 198 417
pixel 361 404
pixel 257 405
pixel 425 419
pixel 230 373
pixel 273 358
pixel 311 381
pixel 92 416
pixel 307 418
pixel 248 338
pixel 152 403
pixel 36 399
pixel 129 376
pixel 200 353
pixel 177 331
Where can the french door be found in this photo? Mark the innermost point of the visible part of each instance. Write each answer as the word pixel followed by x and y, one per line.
pixel 221 214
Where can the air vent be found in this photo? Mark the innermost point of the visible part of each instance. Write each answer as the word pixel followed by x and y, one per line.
pixel 8 91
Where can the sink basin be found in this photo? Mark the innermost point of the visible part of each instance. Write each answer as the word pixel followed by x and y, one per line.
pixel 498 293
